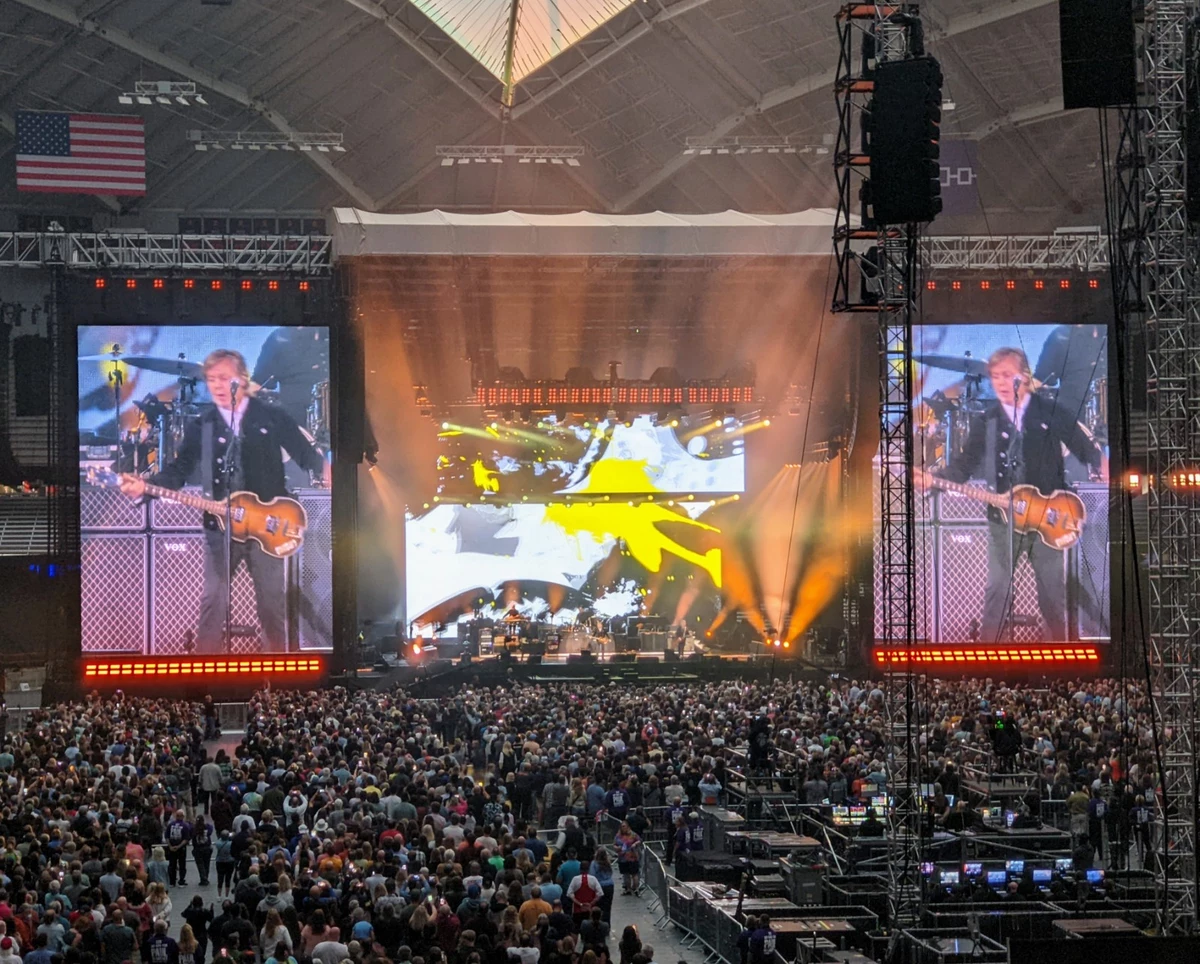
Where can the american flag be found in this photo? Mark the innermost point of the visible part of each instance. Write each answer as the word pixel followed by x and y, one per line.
pixel 81 153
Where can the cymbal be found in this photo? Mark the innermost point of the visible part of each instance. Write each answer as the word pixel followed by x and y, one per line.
pixel 954 363
pixel 165 366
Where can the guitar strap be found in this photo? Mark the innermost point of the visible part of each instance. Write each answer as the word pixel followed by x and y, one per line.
pixel 206 457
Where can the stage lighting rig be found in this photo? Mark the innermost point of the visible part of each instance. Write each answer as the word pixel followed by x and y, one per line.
pixel 267 141
pixel 499 153
pixel 182 92
pixel 757 145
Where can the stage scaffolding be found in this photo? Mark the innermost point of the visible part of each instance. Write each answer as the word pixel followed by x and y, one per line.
pixel 1172 326
pixel 883 280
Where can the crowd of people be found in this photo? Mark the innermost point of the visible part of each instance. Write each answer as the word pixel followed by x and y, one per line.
pixel 373 828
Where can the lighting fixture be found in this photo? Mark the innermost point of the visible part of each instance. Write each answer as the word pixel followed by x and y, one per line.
pixel 499 153
pixel 266 140
pixel 127 670
pixel 181 92
pixel 756 145
pixel 950 655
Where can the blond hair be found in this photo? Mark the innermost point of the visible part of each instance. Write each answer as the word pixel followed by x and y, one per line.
pixel 219 355
pixel 1010 354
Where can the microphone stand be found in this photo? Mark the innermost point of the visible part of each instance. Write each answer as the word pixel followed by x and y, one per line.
pixel 1012 532
pixel 231 456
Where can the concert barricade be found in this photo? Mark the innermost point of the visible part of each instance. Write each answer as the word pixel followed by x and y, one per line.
pixel 999 920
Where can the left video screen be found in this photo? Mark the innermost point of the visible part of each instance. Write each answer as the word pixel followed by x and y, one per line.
pixel 205 499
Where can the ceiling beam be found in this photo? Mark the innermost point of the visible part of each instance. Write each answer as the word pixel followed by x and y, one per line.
pixel 664 15
pixel 1019 118
pixel 176 65
pixel 820 81
pixel 9 123
pixel 415 43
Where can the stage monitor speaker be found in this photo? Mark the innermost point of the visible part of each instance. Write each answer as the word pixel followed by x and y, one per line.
pixel 1098 56
pixel 625 658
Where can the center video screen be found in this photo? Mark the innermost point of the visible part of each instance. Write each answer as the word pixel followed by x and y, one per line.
pixel 182 429
pixel 556 455
pixel 1011 445
pixel 603 517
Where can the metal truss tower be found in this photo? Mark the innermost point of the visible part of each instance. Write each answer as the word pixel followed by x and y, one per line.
pixel 1172 325
pixel 883 280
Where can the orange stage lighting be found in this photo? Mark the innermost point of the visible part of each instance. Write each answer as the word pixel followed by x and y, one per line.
pixel 954 656
pixel 123 670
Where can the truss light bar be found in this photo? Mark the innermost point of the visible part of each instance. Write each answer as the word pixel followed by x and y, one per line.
pixel 974 655
pixel 499 153
pixel 755 145
pixel 182 92
pixel 122 671
pixel 267 140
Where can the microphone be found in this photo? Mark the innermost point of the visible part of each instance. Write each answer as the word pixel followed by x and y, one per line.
pixel 234 385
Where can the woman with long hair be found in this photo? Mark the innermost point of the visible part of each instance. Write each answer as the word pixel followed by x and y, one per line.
pixel 316 931
pixel 273 936
pixel 601 868
pixel 628 846
pixel 630 944
pixel 159 903
pixel 189 947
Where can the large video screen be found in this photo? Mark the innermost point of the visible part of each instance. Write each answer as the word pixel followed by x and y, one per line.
pixel 606 557
pixel 1011 425
pixel 552 455
pixel 205 500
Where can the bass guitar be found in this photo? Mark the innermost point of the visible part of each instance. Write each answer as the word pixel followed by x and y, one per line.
pixel 277 526
pixel 1057 518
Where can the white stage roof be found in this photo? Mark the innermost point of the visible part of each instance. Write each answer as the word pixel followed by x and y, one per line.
pixel 359 233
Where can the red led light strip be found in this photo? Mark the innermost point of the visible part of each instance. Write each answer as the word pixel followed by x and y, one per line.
pixel 959 655
pixel 109 669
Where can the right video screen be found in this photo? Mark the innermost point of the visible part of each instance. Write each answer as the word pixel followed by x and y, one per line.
pixel 1011 425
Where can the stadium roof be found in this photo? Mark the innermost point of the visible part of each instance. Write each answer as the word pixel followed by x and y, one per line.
pixel 626 82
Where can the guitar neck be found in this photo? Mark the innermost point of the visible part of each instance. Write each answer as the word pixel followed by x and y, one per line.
pixel 1000 501
pixel 211 506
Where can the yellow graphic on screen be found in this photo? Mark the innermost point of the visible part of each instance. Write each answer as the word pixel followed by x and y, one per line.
pixel 637 525
pixel 485 479
pixel 620 476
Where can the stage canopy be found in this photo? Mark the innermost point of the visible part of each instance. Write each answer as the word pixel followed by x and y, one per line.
pixel 363 234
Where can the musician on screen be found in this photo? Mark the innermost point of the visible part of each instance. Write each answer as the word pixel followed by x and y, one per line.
pixel 262 431
pixel 1019 440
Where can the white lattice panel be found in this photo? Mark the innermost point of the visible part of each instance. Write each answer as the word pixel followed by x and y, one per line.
pixel 165 514
pixel 316 572
pixel 107 508
pixel 962 579
pixel 178 582
pixel 113 600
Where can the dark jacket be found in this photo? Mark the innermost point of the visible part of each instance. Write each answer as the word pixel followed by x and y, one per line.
pixel 264 430
pixel 1045 430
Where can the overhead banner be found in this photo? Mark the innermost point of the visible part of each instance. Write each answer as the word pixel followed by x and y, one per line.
pixel 960 176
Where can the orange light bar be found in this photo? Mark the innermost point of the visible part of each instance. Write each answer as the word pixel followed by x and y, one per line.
pixel 98 670
pixel 964 655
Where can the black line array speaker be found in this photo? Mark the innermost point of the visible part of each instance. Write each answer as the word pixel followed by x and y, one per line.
pixel 905 114
pixel 1098 58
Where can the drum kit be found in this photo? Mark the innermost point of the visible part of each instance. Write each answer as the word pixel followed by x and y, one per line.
pixel 942 420
pixel 164 417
